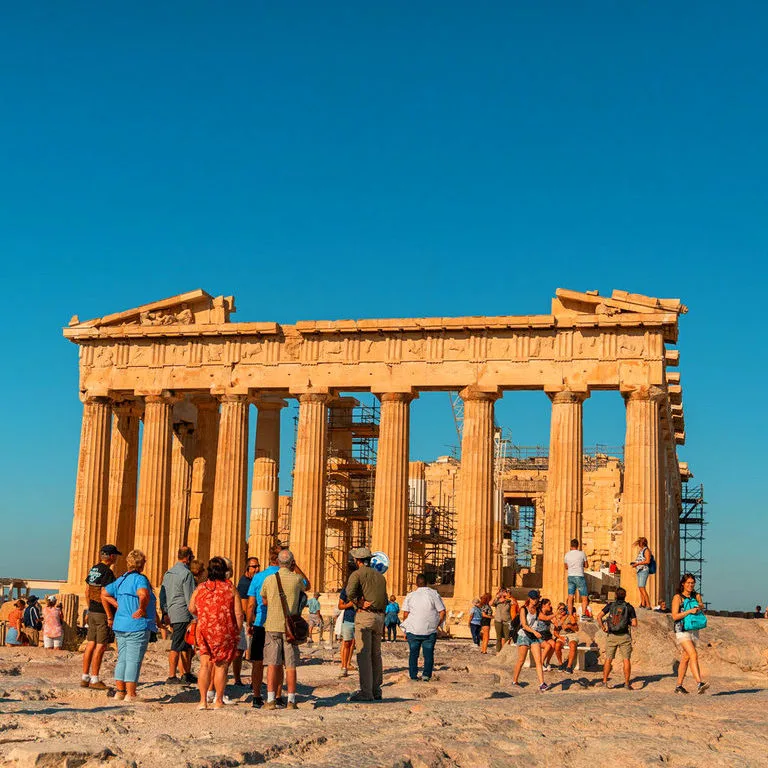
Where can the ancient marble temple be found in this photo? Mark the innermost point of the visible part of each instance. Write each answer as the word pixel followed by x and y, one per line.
pixel 167 388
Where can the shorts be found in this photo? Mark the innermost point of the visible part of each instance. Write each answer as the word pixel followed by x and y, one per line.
pixel 577 583
pixel 256 652
pixel 523 638
pixel 642 577
pixel 691 634
pixel 315 620
pixel 98 629
pixel 571 637
pixel 52 642
pixel 347 631
pixel 278 653
pixel 621 644
pixel 33 636
pixel 242 643
pixel 179 643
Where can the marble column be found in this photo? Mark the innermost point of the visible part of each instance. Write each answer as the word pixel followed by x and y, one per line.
pixel 474 509
pixel 154 501
pixel 182 456
pixel 123 479
pixel 90 511
pixel 231 485
pixel 640 499
pixel 390 501
pixel 565 495
pixel 308 509
pixel 203 477
pixel 264 488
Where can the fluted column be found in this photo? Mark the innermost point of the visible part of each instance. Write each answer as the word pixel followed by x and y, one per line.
pixel 90 512
pixel 123 479
pixel 390 501
pixel 182 456
pixel 308 509
pixel 203 477
pixel 231 485
pixel 264 488
pixel 565 495
pixel 154 502
pixel 640 499
pixel 474 509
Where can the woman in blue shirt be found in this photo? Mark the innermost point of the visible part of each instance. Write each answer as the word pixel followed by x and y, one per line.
pixel 392 618
pixel 475 619
pixel 132 623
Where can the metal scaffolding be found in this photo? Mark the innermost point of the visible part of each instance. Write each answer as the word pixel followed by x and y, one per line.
pixel 432 538
pixel 692 525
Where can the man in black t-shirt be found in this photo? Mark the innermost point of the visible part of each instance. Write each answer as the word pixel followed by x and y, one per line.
pixel 616 619
pixel 99 621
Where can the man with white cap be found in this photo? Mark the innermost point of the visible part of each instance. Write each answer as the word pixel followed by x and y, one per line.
pixel 367 588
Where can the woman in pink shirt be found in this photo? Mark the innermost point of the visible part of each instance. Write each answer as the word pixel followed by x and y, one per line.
pixel 53 632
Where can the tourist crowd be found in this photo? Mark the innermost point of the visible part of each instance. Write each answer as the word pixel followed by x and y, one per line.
pixel 259 619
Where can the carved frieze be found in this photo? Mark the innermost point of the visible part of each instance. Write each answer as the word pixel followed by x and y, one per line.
pixel 183 316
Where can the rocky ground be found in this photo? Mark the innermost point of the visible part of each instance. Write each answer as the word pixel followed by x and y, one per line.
pixel 468 715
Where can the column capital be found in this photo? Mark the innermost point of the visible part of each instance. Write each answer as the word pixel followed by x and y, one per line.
pixel 232 398
pixel 645 394
pixel 315 397
pixel 567 396
pixel 474 393
pixel 397 397
pixel 166 397
pixel 96 400
pixel 266 402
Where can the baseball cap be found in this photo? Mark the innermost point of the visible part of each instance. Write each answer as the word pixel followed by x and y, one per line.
pixel 110 549
pixel 361 553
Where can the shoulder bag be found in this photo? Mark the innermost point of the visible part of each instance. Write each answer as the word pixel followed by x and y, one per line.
pixel 296 628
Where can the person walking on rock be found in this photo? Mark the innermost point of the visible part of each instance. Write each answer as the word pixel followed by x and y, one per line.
pixel 688 611
pixel 575 561
pixel 423 613
pixel 617 619
pixel 278 652
pixel 175 594
pixel 99 630
pixel 257 615
pixel 367 588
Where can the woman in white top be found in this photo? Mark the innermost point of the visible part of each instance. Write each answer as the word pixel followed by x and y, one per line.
pixel 642 567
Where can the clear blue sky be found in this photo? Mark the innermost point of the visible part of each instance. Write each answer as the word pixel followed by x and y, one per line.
pixel 333 160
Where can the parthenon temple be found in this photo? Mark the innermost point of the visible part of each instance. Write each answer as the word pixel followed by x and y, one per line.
pixel 164 451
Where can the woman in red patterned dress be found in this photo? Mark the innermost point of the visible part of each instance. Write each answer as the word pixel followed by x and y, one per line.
pixel 219 621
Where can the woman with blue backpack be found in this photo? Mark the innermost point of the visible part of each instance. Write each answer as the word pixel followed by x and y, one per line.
pixel 689 618
pixel 645 566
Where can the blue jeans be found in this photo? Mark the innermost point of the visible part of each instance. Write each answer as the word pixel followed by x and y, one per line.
pixel 416 644
pixel 475 630
pixel 131 647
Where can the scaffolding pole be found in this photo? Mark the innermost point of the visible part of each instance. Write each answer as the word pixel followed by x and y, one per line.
pixel 692 525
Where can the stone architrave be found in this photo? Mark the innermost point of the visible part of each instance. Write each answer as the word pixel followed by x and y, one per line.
pixel 123 478
pixel 308 509
pixel 154 498
pixel 182 456
pixel 390 501
pixel 203 477
pixel 640 500
pixel 565 495
pixel 230 494
pixel 264 487
pixel 90 512
pixel 474 509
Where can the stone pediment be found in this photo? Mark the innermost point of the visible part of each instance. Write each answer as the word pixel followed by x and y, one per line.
pixel 191 308
pixel 592 303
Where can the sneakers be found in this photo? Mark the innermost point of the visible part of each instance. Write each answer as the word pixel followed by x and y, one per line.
pixel 98 686
pixel 270 705
pixel 119 695
pixel 257 702
pixel 85 683
pixel 543 687
pixel 547 668
pixel 425 679
pixel 291 705
pixel 377 696
pixel 344 672
pixel 359 696
pixel 172 680
pixel 569 670
pixel 701 687
pixel 680 689
pixel 190 679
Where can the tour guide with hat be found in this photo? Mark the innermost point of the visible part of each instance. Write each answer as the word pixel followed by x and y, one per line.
pixel 367 588
pixel 99 617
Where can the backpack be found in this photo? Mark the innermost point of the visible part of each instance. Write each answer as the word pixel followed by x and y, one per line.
pixel 31 617
pixel 692 621
pixel 652 565
pixel 618 618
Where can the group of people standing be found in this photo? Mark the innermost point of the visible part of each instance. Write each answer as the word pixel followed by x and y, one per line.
pixel 28 619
